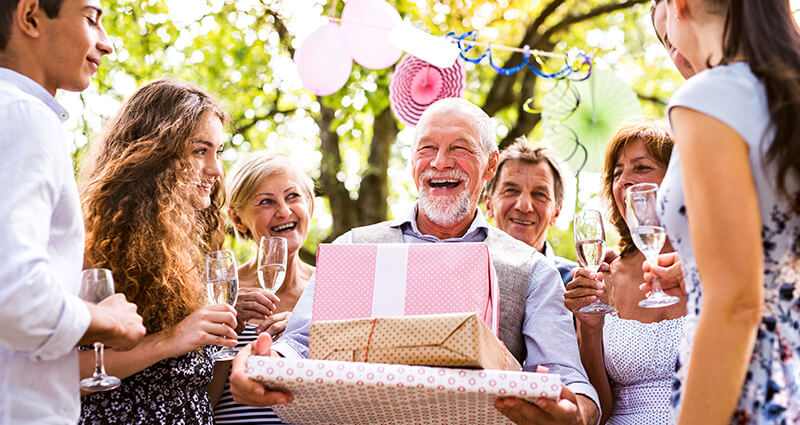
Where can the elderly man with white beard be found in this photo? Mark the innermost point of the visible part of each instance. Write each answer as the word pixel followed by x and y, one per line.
pixel 455 154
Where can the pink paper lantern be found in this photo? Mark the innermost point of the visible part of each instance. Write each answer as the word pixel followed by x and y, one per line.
pixel 323 62
pixel 366 25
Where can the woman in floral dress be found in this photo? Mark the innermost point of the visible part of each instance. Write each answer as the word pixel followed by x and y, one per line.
pixel 730 202
pixel 152 196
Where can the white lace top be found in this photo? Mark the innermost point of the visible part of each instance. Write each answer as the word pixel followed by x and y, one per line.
pixel 640 362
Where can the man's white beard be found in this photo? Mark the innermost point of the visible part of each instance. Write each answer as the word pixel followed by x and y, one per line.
pixel 444 210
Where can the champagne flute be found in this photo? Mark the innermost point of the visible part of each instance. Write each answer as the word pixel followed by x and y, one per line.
pixel 97 285
pixel 590 239
pixel 648 235
pixel 222 282
pixel 272 254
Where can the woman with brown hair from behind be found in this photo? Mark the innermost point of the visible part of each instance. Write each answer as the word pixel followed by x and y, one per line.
pixel 152 194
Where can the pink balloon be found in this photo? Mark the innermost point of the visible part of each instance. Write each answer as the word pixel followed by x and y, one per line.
pixel 323 62
pixel 366 25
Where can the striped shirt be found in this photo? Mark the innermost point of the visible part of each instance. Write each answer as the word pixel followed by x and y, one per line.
pixel 228 411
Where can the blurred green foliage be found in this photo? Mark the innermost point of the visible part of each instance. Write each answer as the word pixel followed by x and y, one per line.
pixel 241 50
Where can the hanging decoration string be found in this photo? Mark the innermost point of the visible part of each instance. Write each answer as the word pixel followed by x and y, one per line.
pixel 577 63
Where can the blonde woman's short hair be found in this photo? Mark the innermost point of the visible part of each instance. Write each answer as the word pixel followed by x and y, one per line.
pixel 250 170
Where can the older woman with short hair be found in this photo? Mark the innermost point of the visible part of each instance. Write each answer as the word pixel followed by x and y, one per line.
pixel 268 196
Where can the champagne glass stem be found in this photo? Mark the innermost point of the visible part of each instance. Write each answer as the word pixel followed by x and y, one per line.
pixel 656 285
pixel 99 364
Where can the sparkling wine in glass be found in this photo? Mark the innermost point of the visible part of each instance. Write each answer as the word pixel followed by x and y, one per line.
pixel 272 262
pixel 590 239
pixel 97 285
pixel 648 235
pixel 222 283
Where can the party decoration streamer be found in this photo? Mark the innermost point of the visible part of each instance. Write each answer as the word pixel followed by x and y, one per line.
pixel 584 116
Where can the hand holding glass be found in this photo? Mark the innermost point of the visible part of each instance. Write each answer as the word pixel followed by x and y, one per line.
pixel 648 235
pixel 272 262
pixel 590 239
pixel 222 281
pixel 97 285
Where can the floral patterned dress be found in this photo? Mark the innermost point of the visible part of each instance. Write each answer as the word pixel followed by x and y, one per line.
pixel 171 391
pixel 771 392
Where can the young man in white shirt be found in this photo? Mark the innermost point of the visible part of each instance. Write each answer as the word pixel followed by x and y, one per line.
pixel 46 45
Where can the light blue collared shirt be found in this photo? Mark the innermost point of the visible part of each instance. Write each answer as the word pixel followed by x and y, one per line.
pixel 41 243
pixel 549 333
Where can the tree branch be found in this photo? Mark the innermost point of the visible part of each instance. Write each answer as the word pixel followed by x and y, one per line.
pixel 525 121
pixel 533 28
pixel 501 94
pixel 242 128
pixel 574 19
pixel 280 27
pixel 656 100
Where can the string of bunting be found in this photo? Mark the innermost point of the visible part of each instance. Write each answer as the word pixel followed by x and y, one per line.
pixel 579 63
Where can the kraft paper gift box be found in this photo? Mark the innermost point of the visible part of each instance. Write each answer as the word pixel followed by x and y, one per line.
pixel 355 281
pixel 329 392
pixel 455 340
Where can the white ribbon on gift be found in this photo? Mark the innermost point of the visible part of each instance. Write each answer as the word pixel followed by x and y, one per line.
pixel 389 287
pixel 389 291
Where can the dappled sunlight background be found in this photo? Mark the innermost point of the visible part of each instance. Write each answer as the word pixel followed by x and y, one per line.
pixel 234 50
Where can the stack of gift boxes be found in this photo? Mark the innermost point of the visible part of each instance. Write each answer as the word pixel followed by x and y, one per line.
pixel 402 333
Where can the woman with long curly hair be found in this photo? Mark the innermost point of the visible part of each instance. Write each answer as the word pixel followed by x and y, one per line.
pixel 152 194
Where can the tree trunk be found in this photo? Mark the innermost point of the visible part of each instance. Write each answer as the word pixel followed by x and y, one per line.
pixel 374 188
pixel 343 208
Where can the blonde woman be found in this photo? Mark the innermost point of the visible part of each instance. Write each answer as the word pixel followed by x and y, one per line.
pixel 269 196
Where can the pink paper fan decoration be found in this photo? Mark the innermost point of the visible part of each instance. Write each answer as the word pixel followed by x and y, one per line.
pixel 323 61
pixel 416 84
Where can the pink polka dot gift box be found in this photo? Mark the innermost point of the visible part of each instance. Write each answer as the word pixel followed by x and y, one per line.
pixel 333 392
pixel 355 281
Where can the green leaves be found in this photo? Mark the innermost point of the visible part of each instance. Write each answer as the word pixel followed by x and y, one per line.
pixel 241 52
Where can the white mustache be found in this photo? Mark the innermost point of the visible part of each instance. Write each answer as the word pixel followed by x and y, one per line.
pixel 446 174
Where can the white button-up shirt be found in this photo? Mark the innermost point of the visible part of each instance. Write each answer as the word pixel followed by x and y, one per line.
pixel 41 255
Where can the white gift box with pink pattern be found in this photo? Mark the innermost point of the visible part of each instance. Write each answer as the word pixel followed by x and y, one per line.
pixel 331 392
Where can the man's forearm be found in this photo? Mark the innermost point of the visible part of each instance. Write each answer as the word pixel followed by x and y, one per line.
pixel 589 411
